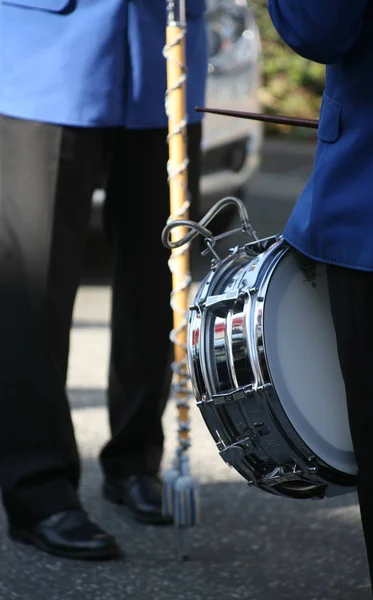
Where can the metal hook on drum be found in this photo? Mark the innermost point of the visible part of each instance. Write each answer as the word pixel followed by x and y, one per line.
pixel 196 228
pixel 200 227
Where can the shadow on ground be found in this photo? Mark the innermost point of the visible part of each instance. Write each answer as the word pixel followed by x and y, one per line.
pixel 249 545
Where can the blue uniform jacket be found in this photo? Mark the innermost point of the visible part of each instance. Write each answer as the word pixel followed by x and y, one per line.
pixel 94 62
pixel 333 219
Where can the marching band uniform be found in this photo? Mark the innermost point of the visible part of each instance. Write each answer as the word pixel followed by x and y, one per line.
pixel 81 81
pixel 332 221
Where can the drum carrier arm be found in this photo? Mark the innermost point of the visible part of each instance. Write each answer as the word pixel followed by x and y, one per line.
pixel 199 228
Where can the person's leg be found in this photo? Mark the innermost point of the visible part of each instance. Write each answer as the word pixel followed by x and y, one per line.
pixel 141 352
pixel 47 178
pixel 351 300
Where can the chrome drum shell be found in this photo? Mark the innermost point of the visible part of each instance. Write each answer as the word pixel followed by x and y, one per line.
pixel 232 383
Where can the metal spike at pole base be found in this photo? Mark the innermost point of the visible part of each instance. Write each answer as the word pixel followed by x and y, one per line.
pixel 186 505
pixel 181 500
pixel 186 502
pixel 168 493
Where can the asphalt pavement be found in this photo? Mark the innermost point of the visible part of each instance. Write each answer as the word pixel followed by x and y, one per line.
pixel 249 545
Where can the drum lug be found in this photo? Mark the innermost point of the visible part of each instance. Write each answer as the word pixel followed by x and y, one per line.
pixel 311 467
pixel 257 247
pixel 237 395
pixel 195 307
pixel 281 475
pixel 262 388
pixel 253 292
pixel 218 305
pixel 234 396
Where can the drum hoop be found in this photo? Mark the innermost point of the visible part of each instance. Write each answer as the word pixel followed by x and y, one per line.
pixel 305 455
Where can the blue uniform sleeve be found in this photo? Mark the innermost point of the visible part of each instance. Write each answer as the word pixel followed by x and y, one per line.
pixel 320 30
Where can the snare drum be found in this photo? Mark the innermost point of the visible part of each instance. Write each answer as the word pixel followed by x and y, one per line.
pixel 264 368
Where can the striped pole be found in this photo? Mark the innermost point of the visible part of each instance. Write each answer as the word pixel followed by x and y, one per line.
pixel 180 496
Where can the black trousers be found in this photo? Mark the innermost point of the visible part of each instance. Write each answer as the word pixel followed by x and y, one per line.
pixel 351 298
pixel 47 177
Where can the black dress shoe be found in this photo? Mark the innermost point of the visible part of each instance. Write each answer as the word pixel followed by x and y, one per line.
pixel 141 494
pixel 69 534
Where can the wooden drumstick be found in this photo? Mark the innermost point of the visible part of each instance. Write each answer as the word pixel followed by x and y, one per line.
pixel 280 120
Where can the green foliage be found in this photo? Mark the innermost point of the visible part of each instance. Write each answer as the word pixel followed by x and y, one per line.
pixel 291 85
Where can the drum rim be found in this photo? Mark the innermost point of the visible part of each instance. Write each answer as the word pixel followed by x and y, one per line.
pixel 295 442
pixel 271 377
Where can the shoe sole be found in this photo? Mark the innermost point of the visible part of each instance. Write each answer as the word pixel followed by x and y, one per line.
pixel 18 535
pixel 115 498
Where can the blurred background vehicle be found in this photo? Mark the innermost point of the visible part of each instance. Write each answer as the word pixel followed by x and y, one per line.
pixel 231 147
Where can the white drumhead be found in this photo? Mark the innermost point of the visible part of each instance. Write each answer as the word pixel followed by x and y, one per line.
pixel 301 351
